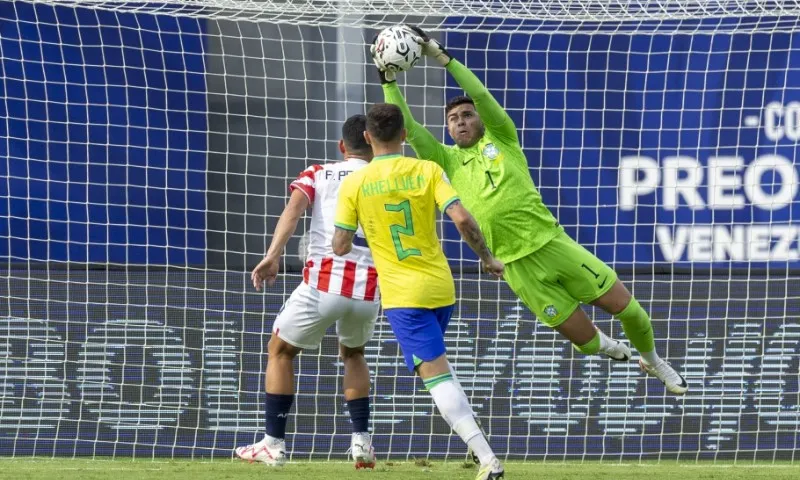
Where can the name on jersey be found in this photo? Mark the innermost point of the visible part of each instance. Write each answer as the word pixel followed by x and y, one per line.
pixel 393 184
pixel 329 174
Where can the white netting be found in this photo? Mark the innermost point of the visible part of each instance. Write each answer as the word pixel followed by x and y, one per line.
pixel 148 146
pixel 491 15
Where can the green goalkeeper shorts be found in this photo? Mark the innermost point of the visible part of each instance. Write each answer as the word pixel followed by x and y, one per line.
pixel 558 277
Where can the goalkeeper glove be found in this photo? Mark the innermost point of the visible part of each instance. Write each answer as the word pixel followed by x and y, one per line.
pixel 386 76
pixel 432 47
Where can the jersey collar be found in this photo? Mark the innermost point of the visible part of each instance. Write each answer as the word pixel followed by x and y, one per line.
pixel 387 157
pixel 355 160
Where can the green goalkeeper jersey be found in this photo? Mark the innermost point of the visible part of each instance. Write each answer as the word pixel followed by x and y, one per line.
pixel 491 177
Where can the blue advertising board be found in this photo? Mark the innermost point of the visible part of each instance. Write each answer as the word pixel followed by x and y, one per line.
pixel 105 119
pixel 656 148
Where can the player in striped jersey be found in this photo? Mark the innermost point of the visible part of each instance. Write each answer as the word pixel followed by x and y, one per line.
pixel 340 290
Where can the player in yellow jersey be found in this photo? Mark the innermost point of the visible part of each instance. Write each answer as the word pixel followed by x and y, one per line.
pixel 393 199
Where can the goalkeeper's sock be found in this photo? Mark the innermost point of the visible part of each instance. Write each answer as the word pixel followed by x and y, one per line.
pixel 359 414
pixel 456 410
pixel 276 413
pixel 639 330
pixel 590 348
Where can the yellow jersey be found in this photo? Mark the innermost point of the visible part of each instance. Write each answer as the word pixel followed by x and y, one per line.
pixel 394 200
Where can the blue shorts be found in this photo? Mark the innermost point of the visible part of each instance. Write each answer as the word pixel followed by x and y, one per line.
pixel 420 332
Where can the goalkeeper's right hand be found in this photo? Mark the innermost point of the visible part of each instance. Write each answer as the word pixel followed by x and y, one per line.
pixel 386 76
pixel 494 267
pixel 432 47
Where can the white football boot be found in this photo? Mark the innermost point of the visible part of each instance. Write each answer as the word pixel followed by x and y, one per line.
pixel 618 351
pixel 491 471
pixel 615 349
pixel 362 451
pixel 270 451
pixel 671 379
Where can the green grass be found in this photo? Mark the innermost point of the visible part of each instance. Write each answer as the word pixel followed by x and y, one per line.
pixel 50 469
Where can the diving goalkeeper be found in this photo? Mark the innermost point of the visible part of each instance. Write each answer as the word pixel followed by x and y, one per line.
pixel 550 272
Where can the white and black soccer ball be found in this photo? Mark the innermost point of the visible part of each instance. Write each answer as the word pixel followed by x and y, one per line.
pixel 396 49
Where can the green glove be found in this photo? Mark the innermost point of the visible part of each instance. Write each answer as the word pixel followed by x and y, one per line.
pixel 432 47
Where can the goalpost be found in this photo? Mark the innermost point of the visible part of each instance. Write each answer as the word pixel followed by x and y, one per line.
pixel 147 147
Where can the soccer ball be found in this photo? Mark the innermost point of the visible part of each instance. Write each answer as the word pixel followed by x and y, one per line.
pixel 396 49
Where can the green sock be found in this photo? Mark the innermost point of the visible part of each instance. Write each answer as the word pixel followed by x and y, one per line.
pixel 637 327
pixel 431 382
pixel 589 348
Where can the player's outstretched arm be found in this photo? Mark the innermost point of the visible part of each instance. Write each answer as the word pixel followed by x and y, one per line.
pixel 267 269
pixel 422 141
pixel 492 114
pixel 471 233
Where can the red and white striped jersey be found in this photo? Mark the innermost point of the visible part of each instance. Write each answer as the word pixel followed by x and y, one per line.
pixel 353 275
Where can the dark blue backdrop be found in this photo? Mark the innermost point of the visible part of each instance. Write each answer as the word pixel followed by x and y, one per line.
pixel 583 102
pixel 105 116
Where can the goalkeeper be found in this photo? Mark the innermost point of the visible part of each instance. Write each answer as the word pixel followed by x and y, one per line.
pixel 550 272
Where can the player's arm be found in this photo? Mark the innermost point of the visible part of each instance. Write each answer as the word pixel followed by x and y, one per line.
pixel 267 269
pixel 421 139
pixel 471 233
pixel 494 116
pixel 448 202
pixel 346 219
pixel 343 241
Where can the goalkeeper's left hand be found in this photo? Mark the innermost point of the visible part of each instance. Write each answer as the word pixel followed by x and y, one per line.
pixel 431 47
pixel 386 76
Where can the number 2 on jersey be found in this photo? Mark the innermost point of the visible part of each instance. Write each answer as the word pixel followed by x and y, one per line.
pixel 406 229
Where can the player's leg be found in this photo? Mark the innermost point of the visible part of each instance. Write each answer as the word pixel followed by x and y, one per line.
pixel 356 396
pixel 355 330
pixel 579 329
pixel 279 386
pixel 297 327
pixel 420 335
pixel 535 280
pixel 589 280
pixel 443 317
pixel 636 323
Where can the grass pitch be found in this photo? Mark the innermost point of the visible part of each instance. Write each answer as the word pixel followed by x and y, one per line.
pixel 101 469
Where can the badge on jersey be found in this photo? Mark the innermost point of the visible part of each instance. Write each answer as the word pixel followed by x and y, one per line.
pixel 490 151
pixel 550 311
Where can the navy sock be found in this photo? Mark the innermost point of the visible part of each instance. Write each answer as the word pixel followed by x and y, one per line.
pixel 276 410
pixel 359 414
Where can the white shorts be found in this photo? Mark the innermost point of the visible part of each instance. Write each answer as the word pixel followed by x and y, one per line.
pixel 308 313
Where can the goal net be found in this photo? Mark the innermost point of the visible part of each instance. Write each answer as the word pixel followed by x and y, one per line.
pixel 147 147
